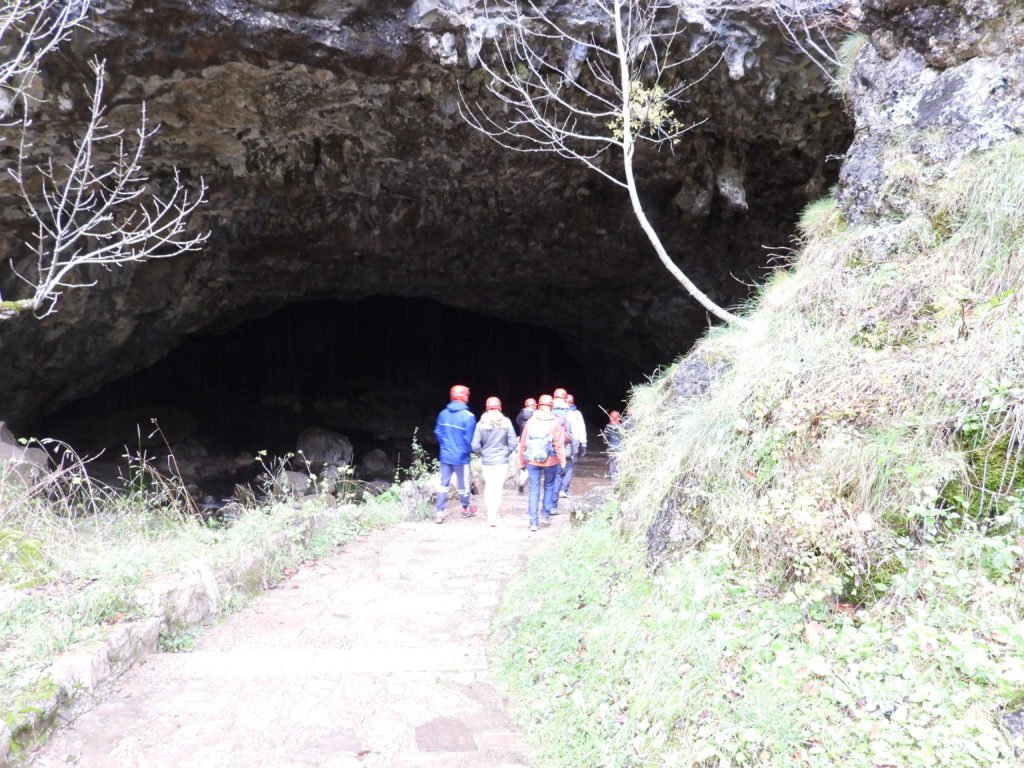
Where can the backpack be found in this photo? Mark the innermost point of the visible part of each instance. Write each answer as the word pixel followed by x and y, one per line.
pixel 563 418
pixel 538 444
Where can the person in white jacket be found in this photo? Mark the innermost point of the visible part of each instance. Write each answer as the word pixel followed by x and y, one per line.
pixel 494 440
pixel 579 433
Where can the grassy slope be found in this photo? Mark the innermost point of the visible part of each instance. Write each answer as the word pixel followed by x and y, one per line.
pixel 856 481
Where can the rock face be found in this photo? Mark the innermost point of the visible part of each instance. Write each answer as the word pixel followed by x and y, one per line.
pixel 935 80
pixel 339 168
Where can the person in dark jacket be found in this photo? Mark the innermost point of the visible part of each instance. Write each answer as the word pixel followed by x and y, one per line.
pixel 494 440
pixel 454 433
pixel 529 408
pixel 612 434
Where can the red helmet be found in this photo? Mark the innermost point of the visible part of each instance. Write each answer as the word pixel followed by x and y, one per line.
pixel 545 401
pixel 529 403
pixel 459 392
pixel 614 416
pixel 492 404
pixel 559 394
pixel 570 399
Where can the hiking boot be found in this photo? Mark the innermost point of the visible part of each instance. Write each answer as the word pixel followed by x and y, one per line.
pixel 469 511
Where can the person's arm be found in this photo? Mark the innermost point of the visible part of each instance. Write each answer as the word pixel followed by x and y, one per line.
pixel 469 424
pixel 582 432
pixel 511 439
pixel 477 439
pixel 558 439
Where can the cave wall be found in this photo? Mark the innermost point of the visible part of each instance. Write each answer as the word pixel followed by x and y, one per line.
pixel 339 168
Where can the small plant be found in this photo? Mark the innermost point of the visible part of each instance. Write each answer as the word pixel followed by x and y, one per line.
pixel 820 218
pixel 179 642
pixel 422 467
pixel 845 59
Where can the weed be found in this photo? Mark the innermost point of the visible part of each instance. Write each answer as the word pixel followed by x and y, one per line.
pixel 847 56
pixel 181 642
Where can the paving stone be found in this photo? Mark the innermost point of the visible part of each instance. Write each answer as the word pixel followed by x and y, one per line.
pixel 445 735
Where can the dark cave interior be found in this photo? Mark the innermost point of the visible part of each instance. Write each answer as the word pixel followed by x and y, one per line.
pixel 376 370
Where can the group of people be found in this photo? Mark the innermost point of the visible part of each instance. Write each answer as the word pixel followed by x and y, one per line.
pixel 552 437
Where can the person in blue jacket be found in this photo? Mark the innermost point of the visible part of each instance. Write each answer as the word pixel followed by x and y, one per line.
pixel 454 433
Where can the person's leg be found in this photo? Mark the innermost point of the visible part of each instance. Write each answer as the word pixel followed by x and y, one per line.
pixel 533 500
pixel 494 480
pixel 563 489
pixel 550 491
pixel 558 481
pixel 557 484
pixel 463 478
pixel 442 490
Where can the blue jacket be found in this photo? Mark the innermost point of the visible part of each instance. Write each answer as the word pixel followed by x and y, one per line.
pixel 454 432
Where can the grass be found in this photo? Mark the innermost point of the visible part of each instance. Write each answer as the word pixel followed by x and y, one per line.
pixel 852 492
pixel 699 666
pixel 68 576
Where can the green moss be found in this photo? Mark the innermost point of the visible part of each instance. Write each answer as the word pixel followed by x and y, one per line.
pixel 26 714
pixel 994 479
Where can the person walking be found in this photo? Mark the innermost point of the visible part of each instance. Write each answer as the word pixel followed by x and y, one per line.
pixel 561 410
pixel 529 406
pixel 454 433
pixel 612 434
pixel 578 427
pixel 542 454
pixel 494 441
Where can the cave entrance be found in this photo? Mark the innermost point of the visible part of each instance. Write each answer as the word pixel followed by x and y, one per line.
pixel 376 370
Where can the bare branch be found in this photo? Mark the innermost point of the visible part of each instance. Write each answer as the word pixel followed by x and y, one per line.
pixel 808 24
pixel 563 91
pixel 97 212
pixel 29 31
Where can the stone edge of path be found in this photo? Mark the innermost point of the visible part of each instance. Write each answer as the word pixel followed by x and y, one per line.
pixel 81 677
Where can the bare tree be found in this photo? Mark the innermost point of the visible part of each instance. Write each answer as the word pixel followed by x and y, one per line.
pixel 29 30
pixel 94 206
pixel 808 24
pixel 591 96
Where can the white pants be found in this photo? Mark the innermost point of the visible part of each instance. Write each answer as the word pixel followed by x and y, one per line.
pixel 494 483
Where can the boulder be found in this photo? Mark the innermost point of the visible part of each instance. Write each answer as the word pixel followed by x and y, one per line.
pixel 26 463
pixel 323 448
pixel 376 465
pixel 416 498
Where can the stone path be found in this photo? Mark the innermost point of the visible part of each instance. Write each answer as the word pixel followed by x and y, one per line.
pixel 375 656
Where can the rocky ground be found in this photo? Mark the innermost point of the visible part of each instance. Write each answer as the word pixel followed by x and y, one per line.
pixel 374 656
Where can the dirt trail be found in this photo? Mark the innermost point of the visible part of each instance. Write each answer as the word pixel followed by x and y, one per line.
pixel 374 656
